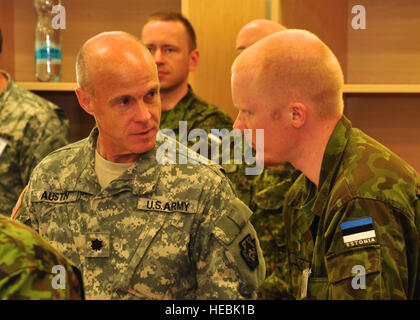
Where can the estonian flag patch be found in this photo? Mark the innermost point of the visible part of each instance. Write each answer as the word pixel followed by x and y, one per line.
pixel 358 232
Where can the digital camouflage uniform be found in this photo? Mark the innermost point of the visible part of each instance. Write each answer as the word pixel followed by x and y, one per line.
pixel 159 231
pixel 363 221
pixel 268 192
pixel 31 127
pixel 26 267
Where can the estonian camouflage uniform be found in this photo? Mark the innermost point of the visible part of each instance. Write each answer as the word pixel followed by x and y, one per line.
pixel 198 113
pixel 31 127
pixel 268 193
pixel 357 238
pixel 26 267
pixel 159 231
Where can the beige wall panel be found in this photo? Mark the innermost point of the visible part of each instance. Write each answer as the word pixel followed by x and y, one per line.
pixel 217 23
pixel 7 27
pixel 392 119
pixel 325 18
pixel 84 19
pixel 388 50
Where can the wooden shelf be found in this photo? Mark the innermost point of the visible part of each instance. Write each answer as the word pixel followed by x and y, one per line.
pixel 382 88
pixel 48 86
pixel 348 88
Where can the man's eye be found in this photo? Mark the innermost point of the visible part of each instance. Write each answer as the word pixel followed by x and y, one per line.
pixel 152 94
pixel 125 101
pixel 170 50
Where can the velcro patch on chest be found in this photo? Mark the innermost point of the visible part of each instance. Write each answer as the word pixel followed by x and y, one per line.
pixel 187 206
pixel 358 232
pixel 54 196
pixel 97 244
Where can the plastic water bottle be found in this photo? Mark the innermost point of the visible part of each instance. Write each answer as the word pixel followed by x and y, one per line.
pixel 47 43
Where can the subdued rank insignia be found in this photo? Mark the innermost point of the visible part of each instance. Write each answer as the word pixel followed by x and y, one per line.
pixel 249 252
pixel 96 244
pixel 358 232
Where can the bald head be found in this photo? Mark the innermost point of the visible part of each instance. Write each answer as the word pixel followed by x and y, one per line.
pixel 107 53
pixel 254 31
pixel 292 66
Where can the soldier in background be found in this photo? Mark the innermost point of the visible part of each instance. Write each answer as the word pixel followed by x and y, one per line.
pixel 171 39
pixel 30 269
pixel 138 228
pixel 352 217
pixel 30 128
pixel 254 31
pixel 267 191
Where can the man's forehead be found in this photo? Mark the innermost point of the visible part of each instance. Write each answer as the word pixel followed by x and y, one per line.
pixel 163 30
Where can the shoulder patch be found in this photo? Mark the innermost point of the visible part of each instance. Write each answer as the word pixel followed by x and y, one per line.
pixel 18 203
pixel 249 251
pixel 358 232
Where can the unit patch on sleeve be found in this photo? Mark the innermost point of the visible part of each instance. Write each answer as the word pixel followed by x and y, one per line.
pixel 249 252
pixel 358 232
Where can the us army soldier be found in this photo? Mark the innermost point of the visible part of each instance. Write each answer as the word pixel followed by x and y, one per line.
pixel 30 128
pixel 137 228
pixel 354 212
pixel 27 267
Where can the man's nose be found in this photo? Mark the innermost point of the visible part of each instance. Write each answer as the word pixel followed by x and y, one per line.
pixel 238 124
pixel 142 113
pixel 158 56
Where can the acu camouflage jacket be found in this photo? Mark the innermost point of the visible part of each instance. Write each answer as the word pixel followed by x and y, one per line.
pixel 30 128
pixel 159 231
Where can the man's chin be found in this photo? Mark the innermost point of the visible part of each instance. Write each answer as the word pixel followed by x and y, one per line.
pixel 142 145
pixel 270 163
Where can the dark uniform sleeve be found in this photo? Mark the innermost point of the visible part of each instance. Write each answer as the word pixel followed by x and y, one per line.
pixel 35 284
pixel 373 252
pixel 31 269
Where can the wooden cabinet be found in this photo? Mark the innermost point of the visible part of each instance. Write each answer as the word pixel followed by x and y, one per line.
pixel 381 63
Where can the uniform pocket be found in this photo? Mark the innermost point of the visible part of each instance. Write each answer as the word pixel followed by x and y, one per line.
pixel 355 273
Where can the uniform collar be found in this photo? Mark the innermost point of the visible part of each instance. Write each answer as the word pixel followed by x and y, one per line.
pixel 180 109
pixel 186 100
pixel 331 162
pixel 140 179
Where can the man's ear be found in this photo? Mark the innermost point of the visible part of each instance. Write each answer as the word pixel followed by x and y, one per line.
pixel 194 59
pixel 298 113
pixel 85 100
